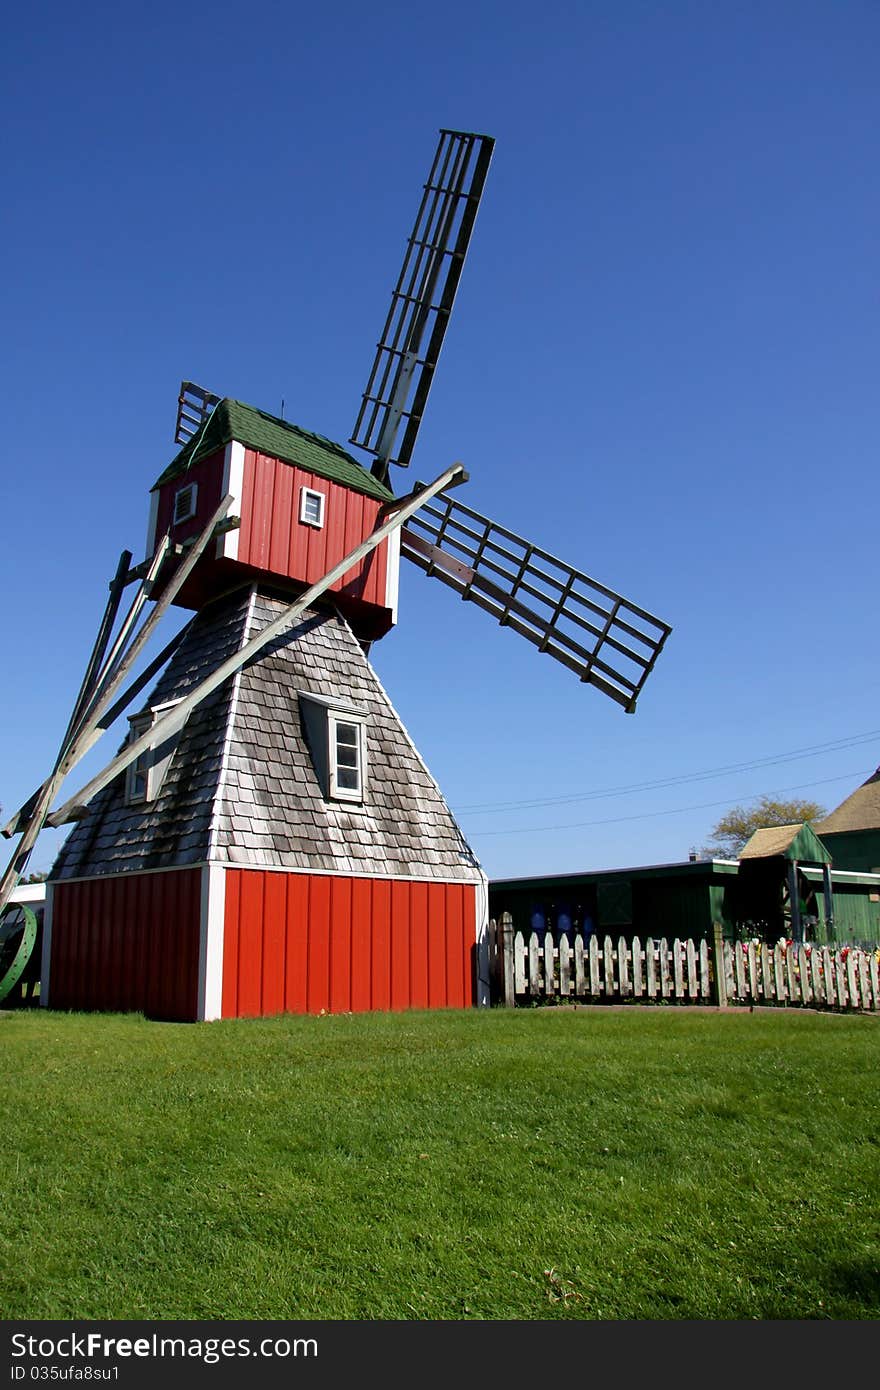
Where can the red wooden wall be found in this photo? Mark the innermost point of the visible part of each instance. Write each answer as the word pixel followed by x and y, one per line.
pixel 273 538
pixel 302 943
pixel 127 943
pixel 208 474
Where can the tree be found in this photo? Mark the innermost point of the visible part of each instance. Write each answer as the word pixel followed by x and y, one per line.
pixel 739 824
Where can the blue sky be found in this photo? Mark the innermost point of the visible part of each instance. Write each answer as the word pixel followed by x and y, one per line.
pixel 662 364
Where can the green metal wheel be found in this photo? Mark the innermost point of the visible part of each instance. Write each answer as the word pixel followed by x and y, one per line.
pixel 18 937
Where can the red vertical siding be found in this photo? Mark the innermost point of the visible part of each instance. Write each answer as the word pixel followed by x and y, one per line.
pixel 401 993
pixel 231 944
pixel 438 913
pixel 208 474
pixel 459 936
pixel 340 945
pixel 380 954
pixel 364 924
pixel 274 934
pixel 273 538
pixel 250 962
pixel 418 945
pixel 128 942
pixel 279 541
pixel 318 932
pixel 296 943
pixel 305 943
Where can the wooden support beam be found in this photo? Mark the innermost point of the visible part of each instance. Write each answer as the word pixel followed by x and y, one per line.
pixel 828 895
pixel 136 608
pixel 90 679
pixel 719 969
pixel 794 902
pixel 395 503
pixel 86 690
pixel 143 679
pixel 88 729
pixel 92 728
pixel 91 725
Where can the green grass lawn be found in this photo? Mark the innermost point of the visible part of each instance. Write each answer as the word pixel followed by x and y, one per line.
pixel 543 1163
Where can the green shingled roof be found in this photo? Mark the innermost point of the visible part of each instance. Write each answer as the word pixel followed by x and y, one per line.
pixel 279 439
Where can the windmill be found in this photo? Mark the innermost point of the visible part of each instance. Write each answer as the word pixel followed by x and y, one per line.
pixel 268 837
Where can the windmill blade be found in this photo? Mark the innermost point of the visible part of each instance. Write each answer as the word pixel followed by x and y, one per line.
pixel 194 407
pixel 401 376
pixel 589 628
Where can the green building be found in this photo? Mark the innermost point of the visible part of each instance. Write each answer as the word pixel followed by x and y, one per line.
pixel 750 898
pixel 852 831
pixel 818 882
pixel 672 900
pixel 787 886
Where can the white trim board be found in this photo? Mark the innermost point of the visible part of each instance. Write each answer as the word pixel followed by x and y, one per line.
pixel 151 524
pixel 277 869
pixel 233 485
pixel 392 574
pixel 46 958
pixel 211 934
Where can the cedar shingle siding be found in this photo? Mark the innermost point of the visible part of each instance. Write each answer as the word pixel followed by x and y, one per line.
pixel 242 786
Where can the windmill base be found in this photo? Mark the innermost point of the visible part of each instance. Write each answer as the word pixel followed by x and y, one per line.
pixel 213 941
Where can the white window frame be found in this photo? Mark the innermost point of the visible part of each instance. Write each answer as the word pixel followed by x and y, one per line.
pixel 335 718
pixel 144 776
pixel 179 515
pixel 307 495
pixel 137 775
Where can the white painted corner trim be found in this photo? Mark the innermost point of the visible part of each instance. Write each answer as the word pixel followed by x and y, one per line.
pixel 151 524
pixel 481 901
pixel 233 486
pixel 211 928
pixel 46 958
pixel 392 574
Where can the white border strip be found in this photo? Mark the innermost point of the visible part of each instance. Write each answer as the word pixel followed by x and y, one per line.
pixel 392 573
pixel 483 981
pixel 315 872
pixel 227 737
pixel 46 958
pixel 151 524
pixel 233 485
pixel 211 930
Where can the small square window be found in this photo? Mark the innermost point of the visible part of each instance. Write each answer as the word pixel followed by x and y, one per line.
pixel 144 776
pixel 346 759
pixel 137 781
pixel 336 735
pixel 185 503
pixel 311 507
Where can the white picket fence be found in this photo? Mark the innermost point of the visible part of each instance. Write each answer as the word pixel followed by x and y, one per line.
pixel 844 977
pixel 682 971
pixel 611 970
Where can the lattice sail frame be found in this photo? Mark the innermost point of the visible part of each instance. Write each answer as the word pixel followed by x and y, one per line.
pixel 545 600
pixel 194 407
pixel 422 300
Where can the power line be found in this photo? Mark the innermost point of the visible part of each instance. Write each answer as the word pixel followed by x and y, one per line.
pixel 771 760
pixel 648 815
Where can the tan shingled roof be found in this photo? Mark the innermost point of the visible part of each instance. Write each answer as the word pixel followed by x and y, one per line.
pixel 860 811
pixel 795 842
pixel 775 839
